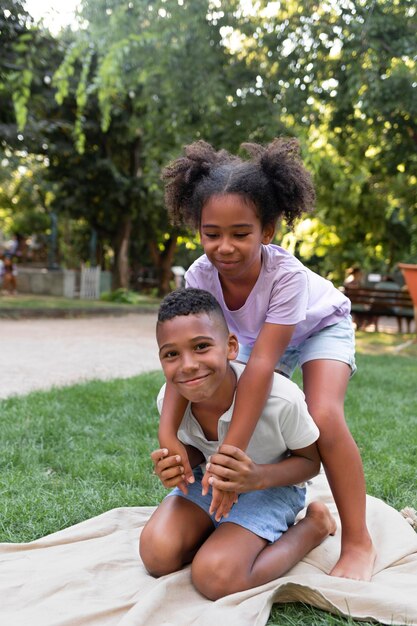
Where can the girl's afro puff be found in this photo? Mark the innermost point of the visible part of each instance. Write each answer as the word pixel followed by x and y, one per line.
pixel 273 179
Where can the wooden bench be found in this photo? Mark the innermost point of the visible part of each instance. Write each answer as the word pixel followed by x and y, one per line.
pixel 371 303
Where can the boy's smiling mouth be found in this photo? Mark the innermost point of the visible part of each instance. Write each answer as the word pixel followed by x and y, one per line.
pixel 193 381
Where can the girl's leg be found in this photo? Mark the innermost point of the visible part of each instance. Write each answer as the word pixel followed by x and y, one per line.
pixel 172 535
pixel 235 559
pixel 325 383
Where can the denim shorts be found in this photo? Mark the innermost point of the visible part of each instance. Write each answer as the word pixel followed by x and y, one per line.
pixel 267 513
pixel 334 343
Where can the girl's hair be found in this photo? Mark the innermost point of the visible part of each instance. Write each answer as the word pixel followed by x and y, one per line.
pixel 274 179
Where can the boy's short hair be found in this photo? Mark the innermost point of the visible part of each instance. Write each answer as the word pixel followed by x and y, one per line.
pixel 189 302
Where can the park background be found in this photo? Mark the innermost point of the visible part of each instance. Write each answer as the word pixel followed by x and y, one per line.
pixel 90 112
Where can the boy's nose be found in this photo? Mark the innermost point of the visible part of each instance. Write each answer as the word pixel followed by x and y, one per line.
pixel 188 363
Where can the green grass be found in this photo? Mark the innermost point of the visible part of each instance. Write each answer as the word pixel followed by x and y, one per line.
pixel 35 302
pixel 69 454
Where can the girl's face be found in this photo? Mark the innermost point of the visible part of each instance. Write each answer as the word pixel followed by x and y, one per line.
pixel 231 235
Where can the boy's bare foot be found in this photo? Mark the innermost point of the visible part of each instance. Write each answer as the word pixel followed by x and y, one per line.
pixel 326 524
pixel 356 562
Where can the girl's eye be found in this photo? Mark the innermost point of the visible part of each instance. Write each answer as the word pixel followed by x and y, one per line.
pixel 241 235
pixel 210 235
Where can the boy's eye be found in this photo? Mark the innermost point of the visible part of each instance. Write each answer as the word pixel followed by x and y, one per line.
pixel 170 355
pixel 202 346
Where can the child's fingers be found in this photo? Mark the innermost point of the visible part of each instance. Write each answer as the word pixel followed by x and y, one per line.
pixel 182 451
pixel 226 504
pixel 227 485
pixel 170 462
pixel 159 454
pixel 188 472
pixel 216 501
pixel 232 451
pixel 205 484
pixel 183 486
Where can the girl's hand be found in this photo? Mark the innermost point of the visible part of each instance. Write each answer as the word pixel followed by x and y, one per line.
pixel 221 503
pixel 169 469
pixel 231 470
pixel 176 448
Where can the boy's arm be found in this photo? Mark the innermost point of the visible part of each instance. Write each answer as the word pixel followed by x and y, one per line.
pixel 235 471
pixel 255 382
pixel 172 412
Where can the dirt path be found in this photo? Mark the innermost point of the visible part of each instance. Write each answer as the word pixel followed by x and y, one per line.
pixel 42 353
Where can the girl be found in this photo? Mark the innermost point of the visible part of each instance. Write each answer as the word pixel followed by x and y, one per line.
pixel 283 314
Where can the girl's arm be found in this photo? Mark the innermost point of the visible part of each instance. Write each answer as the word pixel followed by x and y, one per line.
pixel 173 409
pixel 235 471
pixel 255 382
pixel 251 395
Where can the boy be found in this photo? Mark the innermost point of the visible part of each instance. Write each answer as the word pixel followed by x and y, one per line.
pixel 258 540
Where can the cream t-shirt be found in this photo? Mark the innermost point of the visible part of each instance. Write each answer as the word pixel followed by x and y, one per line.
pixel 285 424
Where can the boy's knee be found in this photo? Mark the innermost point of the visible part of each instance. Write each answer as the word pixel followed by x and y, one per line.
pixel 211 576
pixel 158 554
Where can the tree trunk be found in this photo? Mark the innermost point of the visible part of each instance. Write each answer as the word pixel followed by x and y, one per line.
pixel 163 261
pixel 121 273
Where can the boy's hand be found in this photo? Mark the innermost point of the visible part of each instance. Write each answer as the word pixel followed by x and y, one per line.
pixel 231 470
pixel 176 448
pixel 169 469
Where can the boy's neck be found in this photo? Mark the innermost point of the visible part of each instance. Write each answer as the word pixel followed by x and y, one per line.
pixel 212 409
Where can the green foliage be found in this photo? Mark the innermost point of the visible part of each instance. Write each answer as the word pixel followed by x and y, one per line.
pixel 124 296
pixel 140 80
pixel 17 47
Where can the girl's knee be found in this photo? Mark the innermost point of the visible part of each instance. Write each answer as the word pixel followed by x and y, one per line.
pixel 330 419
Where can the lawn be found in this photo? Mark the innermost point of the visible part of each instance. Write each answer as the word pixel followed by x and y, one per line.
pixel 69 454
pixel 28 305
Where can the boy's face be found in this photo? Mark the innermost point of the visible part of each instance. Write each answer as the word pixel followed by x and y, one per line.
pixel 194 351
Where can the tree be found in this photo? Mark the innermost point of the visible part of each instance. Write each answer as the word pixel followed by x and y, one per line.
pixel 159 74
pixel 342 77
pixel 22 191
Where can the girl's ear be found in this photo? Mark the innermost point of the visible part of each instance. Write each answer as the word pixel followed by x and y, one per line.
pixel 232 347
pixel 268 233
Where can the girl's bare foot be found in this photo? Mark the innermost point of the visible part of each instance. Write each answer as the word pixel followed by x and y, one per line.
pixel 356 561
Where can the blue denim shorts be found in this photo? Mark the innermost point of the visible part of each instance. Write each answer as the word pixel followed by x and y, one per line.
pixel 334 343
pixel 267 513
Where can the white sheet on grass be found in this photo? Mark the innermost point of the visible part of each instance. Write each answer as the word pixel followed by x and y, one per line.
pixel 91 575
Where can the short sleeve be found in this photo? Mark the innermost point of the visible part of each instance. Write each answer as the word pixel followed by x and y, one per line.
pixel 195 275
pixel 160 398
pixel 191 281
pixel 289 300
pixel 297 426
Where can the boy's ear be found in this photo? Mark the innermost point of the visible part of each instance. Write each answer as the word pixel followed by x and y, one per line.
pixel 233 347
pixel 268 233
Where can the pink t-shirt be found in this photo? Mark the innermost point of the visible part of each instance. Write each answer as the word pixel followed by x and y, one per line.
pixel 286 292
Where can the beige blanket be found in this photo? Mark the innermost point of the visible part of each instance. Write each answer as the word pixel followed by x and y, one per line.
pixel 90 574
